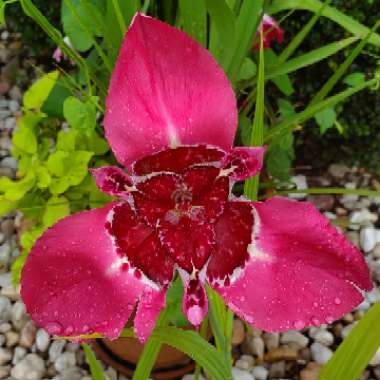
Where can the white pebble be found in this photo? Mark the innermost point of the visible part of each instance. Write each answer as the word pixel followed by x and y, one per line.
pixel 238 374
pixel 294 337
pixel 375 361
pixel 325 337
pixel 368 238
pixel 42 340
pixel 32 367
pixel 65 361
pixel 320 353
pixel 260 373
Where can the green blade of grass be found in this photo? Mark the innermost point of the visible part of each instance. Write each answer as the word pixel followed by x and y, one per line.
pixel 288 124
pixel 95 368
pixel 251 185
pixel 333 80
pixel 308 58
pixel 346 22
pixel 247 24
pixel 301 35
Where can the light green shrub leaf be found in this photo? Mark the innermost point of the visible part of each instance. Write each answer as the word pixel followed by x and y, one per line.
pixel 56 163
pixel 6 205
pixel 325 119
pixel 97 144
pixel 25 140
pixel 56 208
pixel 15 190
pixel 354 79
pixel 286 108
pixel 66 140
pixel 43 177
pixel 248 69
pixel 80 115
pixel 36 95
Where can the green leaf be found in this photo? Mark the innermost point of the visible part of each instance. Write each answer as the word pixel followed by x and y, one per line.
pixel 66 140
pixel 56 208
pixel 193 19
pixel 15 190
pixel 248 69
pixel 246 26
pixel 6 205
pixel 278 162
pixel 36 94
pixel 346 22
pixel 53 105
pixel 257 137
pixel 56 163
pixel 189 342
pixel 43 177
pixel 222 32
pixel 81 35
pixel 353 355
pixel 289 123
pixel 174 304
pixel 25 140
pixel 354 79
pixel 95 368
pixel 97 144
pixel 2 12
pixel 80 115
pixel 308 58
pixel 283 81
pixel 286 108
pixel 325 119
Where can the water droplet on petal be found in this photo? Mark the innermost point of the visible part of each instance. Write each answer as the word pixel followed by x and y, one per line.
pixel 299 325
pixel 315 321
pixel 69 330
pixel 329 319
pixel 337 301
pixel 54 328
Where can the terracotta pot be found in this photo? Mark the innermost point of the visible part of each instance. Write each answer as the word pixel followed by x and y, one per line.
pixel 124 353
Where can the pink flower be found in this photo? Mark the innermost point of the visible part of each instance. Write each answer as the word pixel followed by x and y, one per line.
pixel 171 119
pixel 271 31
pixel 59 56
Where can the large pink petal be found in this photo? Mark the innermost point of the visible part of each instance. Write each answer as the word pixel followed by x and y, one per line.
pixel 70 284
pixel 301 270
pixel 166 90
pixel 148 310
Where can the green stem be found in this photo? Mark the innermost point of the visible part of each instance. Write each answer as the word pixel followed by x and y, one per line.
pixel 204 334
pixel 119 16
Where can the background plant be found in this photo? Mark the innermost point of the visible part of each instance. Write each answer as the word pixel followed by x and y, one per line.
pixel 60 135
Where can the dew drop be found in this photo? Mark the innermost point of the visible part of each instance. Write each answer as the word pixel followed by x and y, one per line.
pixel 337 301
pixel 299 325
pixel 54 328
pixel 315 321
pixel 329 319
pixel 315 304
pixel 69 330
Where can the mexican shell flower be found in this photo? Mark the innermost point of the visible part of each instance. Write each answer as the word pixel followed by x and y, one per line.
pixel 170 119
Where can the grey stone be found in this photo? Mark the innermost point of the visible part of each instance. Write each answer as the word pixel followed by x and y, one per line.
pixel 10 123
pixel 56 349
pixel 42 340
pixel 9 162
pixel 272 340
pixel 19 315
pixel 18 354
pixel 368 238
pixel 5 355
pixel 325 337
pixel 65 361
pixel 12 338
pixel 111 373
pixel 294 337
pixel 256 346
pixel 5 279
pixel 260 373
pixel 32 367
pixel 5 309
pixel 5 253
pixel 238 374
pixel 5 370
pixel 245 362
pixel 14 105
pixel 320 353
pixel 28 335
pixel 337 170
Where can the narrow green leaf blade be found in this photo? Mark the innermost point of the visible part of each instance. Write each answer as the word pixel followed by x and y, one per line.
pixel 193 19
pixel 246 27
pixel 333 80
pixel 222 39
pixel 95 368
pixel 189 342
pixel 308 58
pixel 251 185
pixel 353 355
pixel 346 22
pixel 289 123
